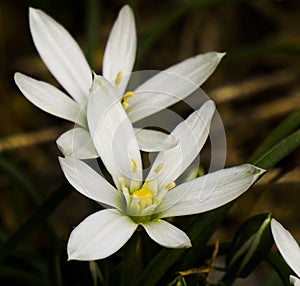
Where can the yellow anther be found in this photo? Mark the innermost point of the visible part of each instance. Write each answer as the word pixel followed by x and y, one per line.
pixel 144 191
pixel 126 96
pixel 122 181
pixel 170 186
pixel 118 78
pixel 144 194
pixel 134 165
pixel 158 168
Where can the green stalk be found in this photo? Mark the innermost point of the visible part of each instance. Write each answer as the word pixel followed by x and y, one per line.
pixel 37 219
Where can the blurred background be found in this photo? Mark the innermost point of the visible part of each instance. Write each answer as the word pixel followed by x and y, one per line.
pixel 255 87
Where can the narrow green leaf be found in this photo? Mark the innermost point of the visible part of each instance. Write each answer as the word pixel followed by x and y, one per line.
pixel 288 125
pixel 18 177
pixel 171 18
pixel 280 267
pixel 91 26
pixel 37 218
pixel 199 230
pixel 278 152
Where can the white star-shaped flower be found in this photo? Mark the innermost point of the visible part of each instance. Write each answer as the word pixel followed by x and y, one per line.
pixel 66 62
pixel 135 201
pixel 289 249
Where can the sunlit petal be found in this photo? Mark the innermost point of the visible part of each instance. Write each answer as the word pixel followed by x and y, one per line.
pixel 50 99
pixel 209 192
pixel 154 141
pixel 61 54
pixel 100 235
pixel 113 136
pixel 167 234
pixel 77 143
pixel 120 50
pixel 171 85
pixel 287 246
pixel 191 135
pixel 86 181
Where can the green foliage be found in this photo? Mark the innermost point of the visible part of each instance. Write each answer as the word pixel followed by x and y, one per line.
pixel 252 242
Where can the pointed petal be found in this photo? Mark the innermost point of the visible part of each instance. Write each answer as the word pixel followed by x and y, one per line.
pixel 100 235
pixel 86 181
pixel 209 192
pixel 171 85
pixel 287 246
pixel 50 99
pixel 191 135
pixel 120 50
pixel 167 234
pixel 61 54
pixel 113 136
pixel 77 143
pixel 154 141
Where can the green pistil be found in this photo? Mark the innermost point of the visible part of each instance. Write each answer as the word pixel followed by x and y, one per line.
pixel 141 219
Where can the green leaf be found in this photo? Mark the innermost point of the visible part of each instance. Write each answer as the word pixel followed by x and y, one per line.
pixel 280 267
pixel 199 230
pixel 171 18
pixel 252 243
pixel 18 177
pixel 288 125
pixel 37 218
pixel 279 151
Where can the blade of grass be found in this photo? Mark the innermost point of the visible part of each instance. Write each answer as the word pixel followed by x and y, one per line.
pixel 18 177
pixel 91 26
pixel 288 125
pixel 37 218
pixel 203 229
pixel 169 20
pixel 278 152
pixel 200 229
pixel 280 267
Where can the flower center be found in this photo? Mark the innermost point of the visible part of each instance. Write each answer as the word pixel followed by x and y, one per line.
pixel 144 195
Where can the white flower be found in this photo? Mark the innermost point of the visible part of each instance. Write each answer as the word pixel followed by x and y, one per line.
pixel 135 201
pixel 289 249
pixel 66 62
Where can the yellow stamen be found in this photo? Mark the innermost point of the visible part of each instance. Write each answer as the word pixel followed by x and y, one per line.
pixel 158 168
pixel 122 181
pixel 170 186
pixel 118 78
pixel 126 96
pixel 144 194
pixel 134 166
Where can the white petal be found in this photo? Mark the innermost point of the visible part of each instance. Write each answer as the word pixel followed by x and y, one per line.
pixel 191 135
pixel 86 181
pixel 113 136
pixel 100 235
pixel 77 143
pixel 171 85
pixel 167 234
pixel 154 141
pixel 61 54
pixel 287 246
pixel 209 192
pixel 50 99
pixel 120 50
pixel 294 280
